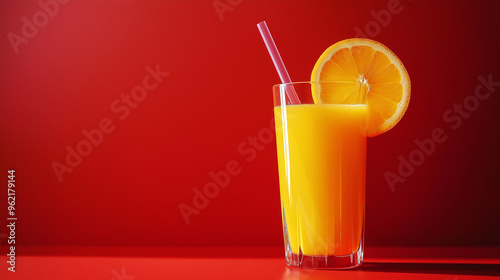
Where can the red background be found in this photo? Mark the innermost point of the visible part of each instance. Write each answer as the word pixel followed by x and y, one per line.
pixel 218 93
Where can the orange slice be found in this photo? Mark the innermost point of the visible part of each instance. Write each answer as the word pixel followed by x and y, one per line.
pixel 364 71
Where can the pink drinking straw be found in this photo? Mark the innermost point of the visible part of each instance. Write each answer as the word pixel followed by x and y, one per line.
pixel 278 62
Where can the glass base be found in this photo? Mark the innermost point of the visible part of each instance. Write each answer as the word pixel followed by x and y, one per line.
pixel 323 262
pixel 319 261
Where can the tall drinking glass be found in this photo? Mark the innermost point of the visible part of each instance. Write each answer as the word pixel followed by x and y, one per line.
pixel 321 147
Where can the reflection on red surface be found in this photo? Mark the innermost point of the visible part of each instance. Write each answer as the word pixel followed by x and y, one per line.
pixel 246 263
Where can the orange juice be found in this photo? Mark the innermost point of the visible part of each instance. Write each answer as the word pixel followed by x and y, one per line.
pixel 322 161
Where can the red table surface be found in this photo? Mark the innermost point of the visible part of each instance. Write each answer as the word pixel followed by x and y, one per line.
pixel 135 263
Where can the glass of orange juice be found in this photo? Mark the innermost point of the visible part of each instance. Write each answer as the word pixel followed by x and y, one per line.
pixel 322 165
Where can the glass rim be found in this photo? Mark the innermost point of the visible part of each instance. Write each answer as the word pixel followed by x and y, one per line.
pixel 304 82
pixel 308 90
